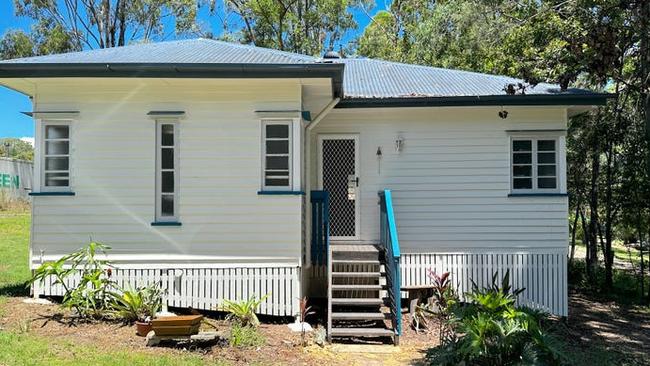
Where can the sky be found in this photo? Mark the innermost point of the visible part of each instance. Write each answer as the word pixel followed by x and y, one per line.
pixel 15 124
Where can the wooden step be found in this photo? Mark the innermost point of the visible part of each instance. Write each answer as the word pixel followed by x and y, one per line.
pixel 360 316
pixel 357 302
pixel 358 287
pixel 357 274
pixel 354 248
pixel 362 332
pixel 356 261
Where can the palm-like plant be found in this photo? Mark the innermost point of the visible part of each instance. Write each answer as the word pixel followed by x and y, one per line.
pixel 243 311
pixel 140 304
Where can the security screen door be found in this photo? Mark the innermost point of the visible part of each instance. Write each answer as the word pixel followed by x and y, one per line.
pixel 339 175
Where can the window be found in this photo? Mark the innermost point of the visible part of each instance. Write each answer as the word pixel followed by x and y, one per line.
pixel 167 172
pixel 534 164
pixel 56 156
pixel 277 159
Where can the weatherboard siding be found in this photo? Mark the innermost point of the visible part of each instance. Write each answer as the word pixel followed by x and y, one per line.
pixel 223 218
pixel 451 181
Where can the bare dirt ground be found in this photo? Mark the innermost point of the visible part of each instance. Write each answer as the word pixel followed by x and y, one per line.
pixel 282 346
pixel 623 332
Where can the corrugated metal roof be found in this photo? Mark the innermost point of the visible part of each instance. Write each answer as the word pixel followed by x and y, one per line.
pixel 362 78
pixel 198 50
pixel 368 78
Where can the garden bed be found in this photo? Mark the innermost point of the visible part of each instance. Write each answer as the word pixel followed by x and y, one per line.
pixel 281 346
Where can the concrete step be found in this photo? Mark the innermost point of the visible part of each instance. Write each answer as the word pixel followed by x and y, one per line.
pixel 357 302
pixel 362 332
pixel 360 316
pixel 358 287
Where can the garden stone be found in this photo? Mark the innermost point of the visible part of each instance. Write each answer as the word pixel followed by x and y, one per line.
pixel 300 327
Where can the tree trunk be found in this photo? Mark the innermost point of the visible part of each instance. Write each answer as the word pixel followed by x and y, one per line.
pixel 573 233
pixel 592 242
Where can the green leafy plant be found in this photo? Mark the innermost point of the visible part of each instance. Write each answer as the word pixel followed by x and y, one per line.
pixel 444 298
pixel 490 330
pixel 245 336
pixel 243 312
pixel 140 304
pixel 90 297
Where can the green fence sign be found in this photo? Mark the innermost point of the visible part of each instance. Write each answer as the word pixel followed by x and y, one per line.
pixel 9 181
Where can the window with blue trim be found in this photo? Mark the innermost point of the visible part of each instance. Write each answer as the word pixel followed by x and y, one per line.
pixel 277 155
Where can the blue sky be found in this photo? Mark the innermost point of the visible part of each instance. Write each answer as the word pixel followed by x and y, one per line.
pixel 15 124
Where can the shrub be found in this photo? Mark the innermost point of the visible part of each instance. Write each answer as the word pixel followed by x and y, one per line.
pixel 243 312
pixel 140 304
pixel 490 330
pixel 90 297
pixel 245 336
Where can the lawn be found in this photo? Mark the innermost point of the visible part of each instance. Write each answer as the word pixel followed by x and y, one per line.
pixel 14 253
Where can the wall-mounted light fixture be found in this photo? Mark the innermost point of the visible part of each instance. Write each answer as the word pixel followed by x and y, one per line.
pixel 399 144
pixel 503 113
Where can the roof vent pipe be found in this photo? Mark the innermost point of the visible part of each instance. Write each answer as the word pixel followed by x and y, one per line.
pixel 331 55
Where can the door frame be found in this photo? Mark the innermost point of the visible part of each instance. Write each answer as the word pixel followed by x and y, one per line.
pixel 357 168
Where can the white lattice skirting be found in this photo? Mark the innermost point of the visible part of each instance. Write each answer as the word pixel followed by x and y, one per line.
pixel 544 276
pixel 206 288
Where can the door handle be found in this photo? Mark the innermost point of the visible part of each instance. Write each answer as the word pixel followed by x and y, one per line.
pixel 357 181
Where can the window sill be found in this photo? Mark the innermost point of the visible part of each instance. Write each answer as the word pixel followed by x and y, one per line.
pixel 166 223
pixel 281 193
pixel 52 194
pixel 538 194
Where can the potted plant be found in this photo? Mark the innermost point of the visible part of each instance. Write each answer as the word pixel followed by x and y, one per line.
pixel 139 306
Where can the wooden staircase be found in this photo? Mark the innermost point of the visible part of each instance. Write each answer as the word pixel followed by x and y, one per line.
pixel 356 282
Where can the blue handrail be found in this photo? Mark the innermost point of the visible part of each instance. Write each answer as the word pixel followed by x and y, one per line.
pixel 320 234
pixel 390 243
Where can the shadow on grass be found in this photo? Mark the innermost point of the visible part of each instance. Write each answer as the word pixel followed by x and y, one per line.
pixel 15 289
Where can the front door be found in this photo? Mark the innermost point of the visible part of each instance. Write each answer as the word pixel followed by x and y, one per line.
pixel 339 175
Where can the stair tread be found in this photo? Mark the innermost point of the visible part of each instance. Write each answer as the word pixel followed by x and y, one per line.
pixel 356 261
pixel 364 248
pixel 360 315
pixel 358 287
pixel 356 301
pixel 363 332
pixel 357 274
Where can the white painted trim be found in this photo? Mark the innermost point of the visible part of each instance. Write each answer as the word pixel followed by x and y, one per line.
pixel 357 168
pixel 294 177
pixel 328 108
pixel 158 211
pixel 560 156
pixel 40 142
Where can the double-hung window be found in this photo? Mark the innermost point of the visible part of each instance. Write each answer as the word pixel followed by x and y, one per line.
pixel 535 165
pixel 277 155
pixel 55 163
pixel 167 177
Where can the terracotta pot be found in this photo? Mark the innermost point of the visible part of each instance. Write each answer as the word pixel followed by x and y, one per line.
pixel 142 328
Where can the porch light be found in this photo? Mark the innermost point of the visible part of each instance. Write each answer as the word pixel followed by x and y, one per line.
pixel 399 144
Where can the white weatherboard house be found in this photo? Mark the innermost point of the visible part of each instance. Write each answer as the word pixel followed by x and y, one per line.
pixel 224 171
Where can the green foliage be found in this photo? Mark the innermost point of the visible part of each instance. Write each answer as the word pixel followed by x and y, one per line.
pixel 243 312
pixel 490 330
pixel 306 27
pixel 13 147
pixel 245 336
pixel 140 304
pixel 90 297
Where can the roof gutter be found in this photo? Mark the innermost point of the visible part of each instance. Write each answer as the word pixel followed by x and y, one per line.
pixel 333 71
pixel 487 100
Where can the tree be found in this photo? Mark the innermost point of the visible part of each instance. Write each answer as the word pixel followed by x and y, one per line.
pixel 16 149
pixel 302 26
pixel 63 26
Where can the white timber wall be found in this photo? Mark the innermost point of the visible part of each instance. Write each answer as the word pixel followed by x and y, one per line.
pixel 450 186
pixel 206 288
pixel 223 218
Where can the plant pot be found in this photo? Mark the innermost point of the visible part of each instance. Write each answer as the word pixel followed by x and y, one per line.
pixel 142 328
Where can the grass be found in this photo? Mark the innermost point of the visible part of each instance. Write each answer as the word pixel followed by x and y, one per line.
pixel 25 349
pixel 14 253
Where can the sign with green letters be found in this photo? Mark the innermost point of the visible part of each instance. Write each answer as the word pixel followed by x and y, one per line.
pixel 9 181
